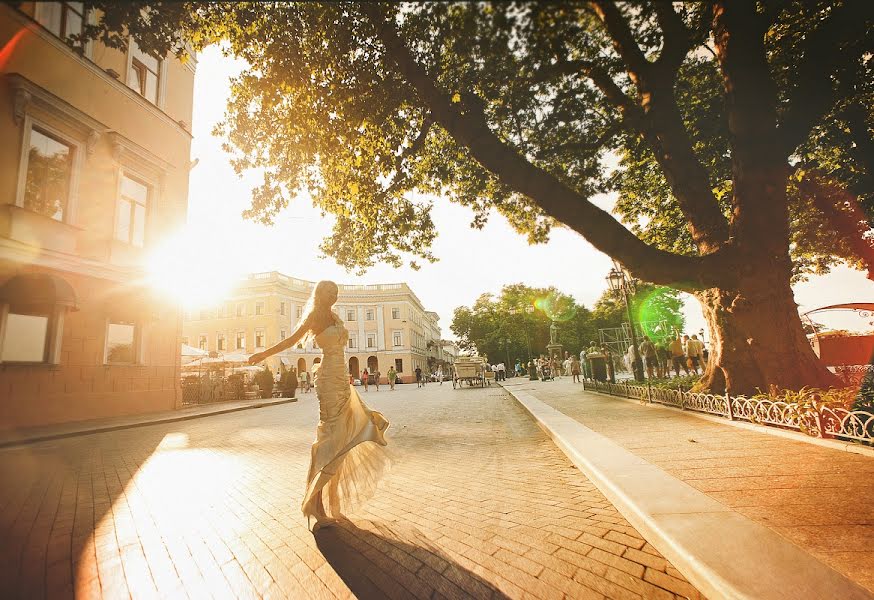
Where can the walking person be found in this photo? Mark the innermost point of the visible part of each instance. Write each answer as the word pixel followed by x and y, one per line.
pixel 347 457
pixel 440 375
pixel 575 369
pixel 376 380
pixel 648 352
pixel 365 377
pixel 693 352
pixel 418 377
pixel 678 355
pixel 392 377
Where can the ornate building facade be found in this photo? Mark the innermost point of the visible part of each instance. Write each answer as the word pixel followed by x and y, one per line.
pixel 93 173
pixel 388 326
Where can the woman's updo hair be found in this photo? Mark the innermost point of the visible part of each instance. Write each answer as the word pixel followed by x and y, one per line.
pixel 325 294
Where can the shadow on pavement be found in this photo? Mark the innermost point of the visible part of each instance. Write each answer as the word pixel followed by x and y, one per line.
pixel 379 560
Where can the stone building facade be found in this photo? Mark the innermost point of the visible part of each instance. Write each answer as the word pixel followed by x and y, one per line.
pixel 387 324
pixel 93 173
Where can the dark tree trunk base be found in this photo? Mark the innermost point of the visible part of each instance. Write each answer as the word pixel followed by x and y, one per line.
pixel 757 341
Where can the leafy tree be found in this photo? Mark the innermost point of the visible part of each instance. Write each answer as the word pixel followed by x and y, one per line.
pixel 650 305
pixel 743 132
pixel 522 315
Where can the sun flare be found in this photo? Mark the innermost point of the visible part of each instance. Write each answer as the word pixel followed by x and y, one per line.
pixel 193 274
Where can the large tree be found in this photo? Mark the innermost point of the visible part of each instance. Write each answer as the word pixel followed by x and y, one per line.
pixel 742 132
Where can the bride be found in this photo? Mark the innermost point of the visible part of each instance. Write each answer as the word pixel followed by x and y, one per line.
pixel 347 457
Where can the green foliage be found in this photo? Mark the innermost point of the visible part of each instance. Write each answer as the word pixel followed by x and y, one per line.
pixel 686 382
pixel 264 379
pixel 522 315
pixel 650 306
pixel 323 107
pixel 287 381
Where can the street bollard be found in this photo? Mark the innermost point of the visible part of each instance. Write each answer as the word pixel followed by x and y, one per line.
pixel 728 404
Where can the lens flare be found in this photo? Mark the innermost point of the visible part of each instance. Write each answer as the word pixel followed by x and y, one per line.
pixel 654 316
pixel 556 306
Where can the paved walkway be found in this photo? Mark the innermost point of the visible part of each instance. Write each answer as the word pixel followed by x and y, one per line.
pixel 821 499
pixel 479 503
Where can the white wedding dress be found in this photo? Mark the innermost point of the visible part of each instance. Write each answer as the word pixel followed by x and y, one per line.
pixel 348 457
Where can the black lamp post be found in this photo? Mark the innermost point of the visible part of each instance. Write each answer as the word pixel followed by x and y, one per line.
pixel 622 285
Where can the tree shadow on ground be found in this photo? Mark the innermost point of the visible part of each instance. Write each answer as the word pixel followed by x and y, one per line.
pixel 377 560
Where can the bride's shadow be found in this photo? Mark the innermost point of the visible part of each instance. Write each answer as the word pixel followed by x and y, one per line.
pixel 379 561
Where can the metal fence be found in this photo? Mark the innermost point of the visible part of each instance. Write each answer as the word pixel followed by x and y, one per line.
pixel 818 420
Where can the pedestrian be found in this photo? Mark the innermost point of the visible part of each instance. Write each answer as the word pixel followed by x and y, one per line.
pixel 378 375
pixel 418 377
pixel 392 377
pixel 678 355
pixel 584 363
pixel 365 376
pixel 440 375
pixel 575 369
pixel 502 372
pixel 648 352
pixel 693 352
pixel 308 384
pixel 611 368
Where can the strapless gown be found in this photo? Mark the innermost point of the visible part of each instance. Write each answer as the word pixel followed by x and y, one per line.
pixel 348 456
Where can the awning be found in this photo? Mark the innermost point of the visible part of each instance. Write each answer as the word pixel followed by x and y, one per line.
pixel 192 351
pixel 38 289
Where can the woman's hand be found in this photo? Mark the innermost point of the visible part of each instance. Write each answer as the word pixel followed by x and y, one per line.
pixel 256 358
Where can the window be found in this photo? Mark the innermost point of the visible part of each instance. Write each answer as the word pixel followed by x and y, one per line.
pixel 368 314
pixel 259 338
pixel 399 365
pixel 121 341
pixel 299 312
pixel 396 338
pixel 48 175
pixel 259 308
pixel 282 334
pixel 282 308
pixel 64 19
pixel 130 213
pixel 241 308
pixel 144 73
pixel 240 343
pixel 395 313
pixel 371 340
pixel 26 336
pixel 350 314
pixel 201 343
pixel 353 341
pixel 220 342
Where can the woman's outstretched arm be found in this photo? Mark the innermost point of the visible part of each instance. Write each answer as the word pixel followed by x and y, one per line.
pixel 286 343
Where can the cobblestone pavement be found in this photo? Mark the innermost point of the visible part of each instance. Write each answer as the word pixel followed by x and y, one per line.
pixel 822 499
pixel 479 504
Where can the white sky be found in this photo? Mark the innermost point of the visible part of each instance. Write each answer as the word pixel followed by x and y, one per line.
pixel 471 261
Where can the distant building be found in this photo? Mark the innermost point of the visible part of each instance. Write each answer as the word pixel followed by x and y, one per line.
pixel 388 326
pixel 93 171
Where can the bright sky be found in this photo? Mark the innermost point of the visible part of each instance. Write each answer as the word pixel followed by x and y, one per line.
pixel 471 261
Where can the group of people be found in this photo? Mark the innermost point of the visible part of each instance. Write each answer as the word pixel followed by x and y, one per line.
pixel 553 367
pixel 681 353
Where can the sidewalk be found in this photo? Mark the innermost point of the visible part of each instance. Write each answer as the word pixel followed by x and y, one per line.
pixel 14 437
pixel 820 499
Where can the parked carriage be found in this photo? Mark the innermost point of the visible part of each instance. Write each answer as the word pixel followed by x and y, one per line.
pixel 470 370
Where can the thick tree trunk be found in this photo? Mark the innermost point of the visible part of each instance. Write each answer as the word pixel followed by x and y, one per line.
pixel 757 340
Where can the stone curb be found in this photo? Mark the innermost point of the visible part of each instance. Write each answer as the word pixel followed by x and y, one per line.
pixel 721 552
pixel 768 429
pixel 165 418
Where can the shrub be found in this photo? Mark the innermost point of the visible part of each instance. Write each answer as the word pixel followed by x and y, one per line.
pixel 264 379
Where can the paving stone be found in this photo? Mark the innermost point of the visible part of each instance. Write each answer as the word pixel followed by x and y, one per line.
pixel 479 503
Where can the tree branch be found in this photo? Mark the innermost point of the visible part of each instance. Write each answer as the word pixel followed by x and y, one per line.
pixel 623 39
pixel 821 57
pixel 466 122
pixel 676 37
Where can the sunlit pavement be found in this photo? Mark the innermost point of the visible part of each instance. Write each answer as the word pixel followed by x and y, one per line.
pixel 479 503
pixel 821 499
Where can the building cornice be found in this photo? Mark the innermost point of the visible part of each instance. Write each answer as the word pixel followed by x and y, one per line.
pixel 28 23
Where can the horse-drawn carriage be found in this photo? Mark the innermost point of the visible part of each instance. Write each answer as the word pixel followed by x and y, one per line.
pixel 470 370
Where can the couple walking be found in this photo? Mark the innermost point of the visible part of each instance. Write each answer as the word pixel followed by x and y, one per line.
pixel 347 458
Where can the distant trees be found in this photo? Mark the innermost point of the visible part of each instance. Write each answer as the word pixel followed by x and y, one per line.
pixel 515 323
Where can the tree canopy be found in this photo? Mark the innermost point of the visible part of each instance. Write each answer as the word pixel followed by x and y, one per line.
pixel 514 107
pixel 516 321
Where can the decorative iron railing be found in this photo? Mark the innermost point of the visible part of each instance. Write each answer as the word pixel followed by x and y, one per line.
pixel 817 420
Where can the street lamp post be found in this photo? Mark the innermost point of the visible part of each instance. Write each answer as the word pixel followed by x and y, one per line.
pixel 508 354
pixel 621 285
